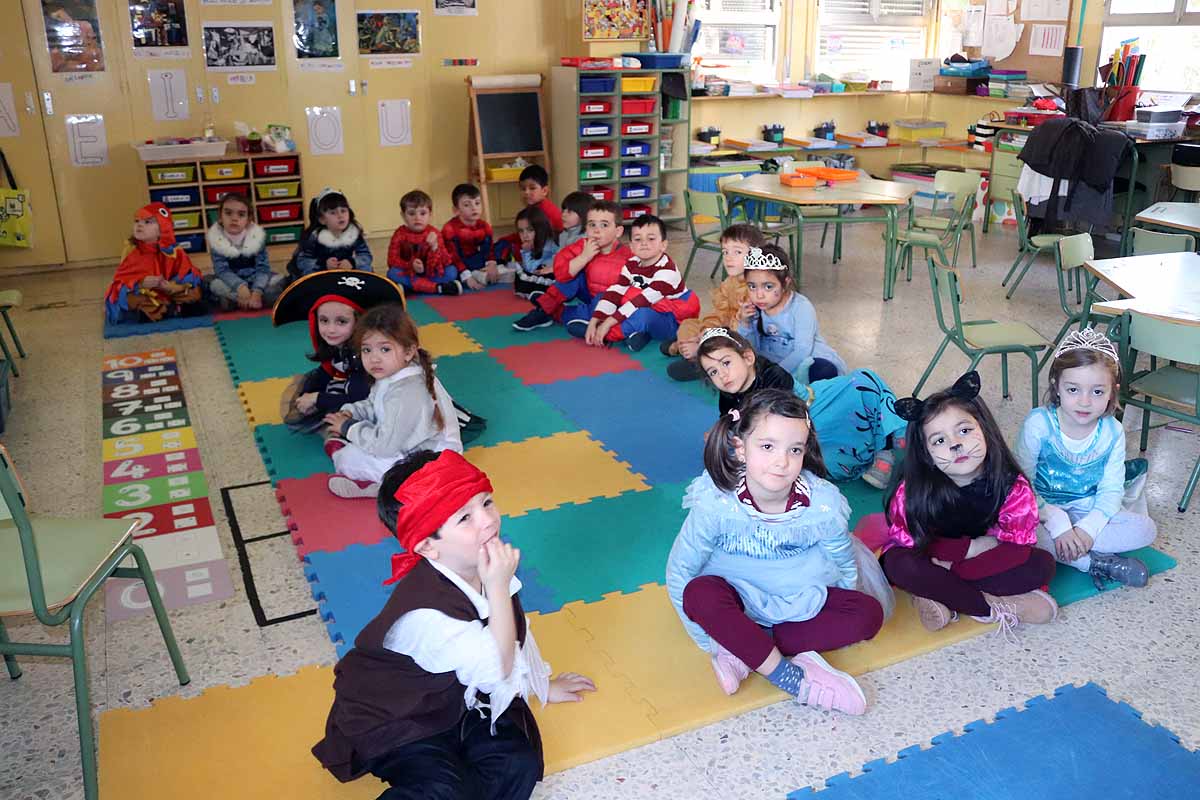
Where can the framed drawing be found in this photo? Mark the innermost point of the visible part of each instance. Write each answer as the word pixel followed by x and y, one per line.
pixel 616 20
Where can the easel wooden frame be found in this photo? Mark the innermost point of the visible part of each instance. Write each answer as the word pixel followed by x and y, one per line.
pixel 478 159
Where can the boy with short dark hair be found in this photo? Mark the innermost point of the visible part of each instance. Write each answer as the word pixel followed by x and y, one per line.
pixel 582 271
pixel 418 259
pixel 534 183
pixel 432 699
pixel 468 237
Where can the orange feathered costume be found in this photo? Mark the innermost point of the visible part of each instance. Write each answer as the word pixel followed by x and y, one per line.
pixel 162 259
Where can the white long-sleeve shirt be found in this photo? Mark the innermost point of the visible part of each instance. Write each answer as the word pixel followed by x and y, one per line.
pixel 438 643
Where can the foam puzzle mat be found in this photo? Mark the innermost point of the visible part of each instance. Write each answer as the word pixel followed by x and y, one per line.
pixel 121 330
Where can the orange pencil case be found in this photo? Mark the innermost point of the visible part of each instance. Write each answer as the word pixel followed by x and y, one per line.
pixel 797 180
pixel 828 173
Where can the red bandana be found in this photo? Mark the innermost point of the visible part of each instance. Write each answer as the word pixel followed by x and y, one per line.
pixel 427 499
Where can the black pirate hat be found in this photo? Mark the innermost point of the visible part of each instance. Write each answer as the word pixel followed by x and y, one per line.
pixel 357 288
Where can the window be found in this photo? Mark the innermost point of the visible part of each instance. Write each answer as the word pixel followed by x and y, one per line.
pixel 742 34
pixel 875 37
pixel 1162 28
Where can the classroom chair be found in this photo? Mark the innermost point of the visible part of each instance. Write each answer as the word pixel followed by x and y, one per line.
pixel 1171 390
pixel 1030 247
pixel 774 229
pixel 1147 242
pixel 952 183
pixel 938 241
pixel 1071 252
pixel 8 300
pixel 1186 180
pixel 51 568
pixel 704 208
pixel 980 337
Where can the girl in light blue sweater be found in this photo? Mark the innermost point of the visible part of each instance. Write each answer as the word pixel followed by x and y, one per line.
pixel 764 569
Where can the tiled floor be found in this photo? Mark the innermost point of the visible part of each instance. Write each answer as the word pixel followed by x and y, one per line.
pixel 1141 646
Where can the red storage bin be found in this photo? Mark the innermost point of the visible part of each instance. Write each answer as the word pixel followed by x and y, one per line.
pixel 592 151
pixel 276 167
pixel 637 127
pixel 213 194
pixel 630 213
pixel 599 192
pixel 279 212
pixel 637 105
pixel 595 107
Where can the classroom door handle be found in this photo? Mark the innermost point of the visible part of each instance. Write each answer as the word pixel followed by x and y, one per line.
pixel 364 87
pixel 353 87
pixel 48 103
pixel 30 103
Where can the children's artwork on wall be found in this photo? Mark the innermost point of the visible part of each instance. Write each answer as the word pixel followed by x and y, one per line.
pixel 87 140
pixel 325 130
pixel 455 8
pixel 158 23
pixel 168 94
pixel 395 123
pixel 239 46
pixel 616 20
pixel 316 28
pixel 9 122
pixel 389 32
pixel 73 35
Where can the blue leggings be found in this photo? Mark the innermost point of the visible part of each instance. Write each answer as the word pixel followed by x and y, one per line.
pixel 660 325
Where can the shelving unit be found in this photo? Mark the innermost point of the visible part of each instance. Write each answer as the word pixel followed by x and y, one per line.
pixel 641 160
pixel 193 188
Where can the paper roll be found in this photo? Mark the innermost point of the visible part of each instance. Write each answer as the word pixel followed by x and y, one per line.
pixel 505 81
pixel 678 27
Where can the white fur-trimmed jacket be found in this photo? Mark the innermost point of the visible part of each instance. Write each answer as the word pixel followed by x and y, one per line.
pixel 246 263
pixel 318 247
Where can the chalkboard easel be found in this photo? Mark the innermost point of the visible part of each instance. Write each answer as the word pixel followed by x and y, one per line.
pixel 507 122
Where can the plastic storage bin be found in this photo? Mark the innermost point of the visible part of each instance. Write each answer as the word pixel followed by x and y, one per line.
pixel 635 170
pixel 284 234
pixel 597 173
pixel 214 194
pixel 591 151
pixel 186 219
pixel 637 105
pixel 635 191
pixel 276 167
pixel 176 197
pixel 595 107
pixel 600 192
pixel 638 83
pixel 503 173
pixel 630 213
pixel 172 173
pixel 660 60
pixel 191 242
pixel 597 85
pixel 637 127
pixel 279 212
pixel 210 216
pixel 224 171
pixel 595 128
pixel 912 130
pixel 277 190
pixel 635 149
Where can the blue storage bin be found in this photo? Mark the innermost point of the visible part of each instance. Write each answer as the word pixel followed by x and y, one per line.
pixel 635 170
pixel 632 191
pixel 596 128
pixel 176 197
pixel 659 60
pixel 191 242
pixel 635 148
pixel 597 85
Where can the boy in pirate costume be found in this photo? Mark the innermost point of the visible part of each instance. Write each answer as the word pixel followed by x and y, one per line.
pixel 432 699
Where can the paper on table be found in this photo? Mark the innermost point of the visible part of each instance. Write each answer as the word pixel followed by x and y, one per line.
pixel 1000 37
pixel 1047 40
pixel 973 26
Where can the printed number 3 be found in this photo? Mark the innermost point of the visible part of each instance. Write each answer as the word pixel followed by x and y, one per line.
pixel 134 494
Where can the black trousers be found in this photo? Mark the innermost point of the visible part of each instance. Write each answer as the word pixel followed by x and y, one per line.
pixel 464 763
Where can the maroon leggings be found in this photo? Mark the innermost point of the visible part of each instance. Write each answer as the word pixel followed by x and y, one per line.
pixel 916 574
pixel 847 617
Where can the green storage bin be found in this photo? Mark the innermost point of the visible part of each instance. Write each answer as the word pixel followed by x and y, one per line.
pixel 597 173
pixel 284 234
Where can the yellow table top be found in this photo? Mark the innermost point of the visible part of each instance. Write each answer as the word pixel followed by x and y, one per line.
pixel 864 190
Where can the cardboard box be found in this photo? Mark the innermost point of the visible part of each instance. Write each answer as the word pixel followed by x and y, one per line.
pixel 947 84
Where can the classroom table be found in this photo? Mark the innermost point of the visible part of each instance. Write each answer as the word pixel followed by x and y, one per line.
pixel 1165 286
pixel 888 195
pixel 1172 216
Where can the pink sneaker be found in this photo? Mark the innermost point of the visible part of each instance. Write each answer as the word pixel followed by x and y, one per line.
pixel 827 687
pixel 351 489
pixel 730 670
pixel 333 444
pixel 933 615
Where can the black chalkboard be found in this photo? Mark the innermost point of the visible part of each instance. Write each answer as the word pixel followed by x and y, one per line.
pixel 510 122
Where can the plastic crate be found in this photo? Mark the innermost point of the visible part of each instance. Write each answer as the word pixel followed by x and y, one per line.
pixel 176 197
pixel 595 128
pixel 660 60
pixel 172 173
pixel 635 170
pixel 185 220
pixel 214 194
pixel 276 167
pixel 600 192
pixel 593 151
pixel 596 173
pixel 504 173
pixel 597 85
pixel 595 107
pixel 211 215
pixel 912 130
pixel 630 213
pixel 191 242
pixel 638 83
pixel 635 149
pixel 277 190
pixel 279 212
pixel 637 127
pixel 637 105
pixel 224 171
pixel 284 234
pixel 635 191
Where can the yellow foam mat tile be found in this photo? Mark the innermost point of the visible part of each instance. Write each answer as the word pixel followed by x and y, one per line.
pixel 260 399
pixel 445 339
pixel 646 642
pixel 546 472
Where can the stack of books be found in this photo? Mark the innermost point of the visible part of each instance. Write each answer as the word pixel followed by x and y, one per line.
pixel 700 148
pixel 791 90
pixel 749 145
pixel 1012 83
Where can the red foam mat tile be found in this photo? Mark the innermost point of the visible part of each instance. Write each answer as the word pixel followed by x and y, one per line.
pixel 320 521
pixel 496 302
pixel 225 316
pixel 563 360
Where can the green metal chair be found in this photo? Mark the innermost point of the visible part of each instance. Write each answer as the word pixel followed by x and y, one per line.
pixel 1030 246
pixel 951 182
pixel 784 227
pixel 941 241
pixel 8 299
pixel 1170 390
pixel 1146 243
pixel 1071 253
pixel 50 568
pixel 704 208
pixel 981 337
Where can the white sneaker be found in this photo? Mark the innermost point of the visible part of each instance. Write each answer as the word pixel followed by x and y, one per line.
pixel 351 489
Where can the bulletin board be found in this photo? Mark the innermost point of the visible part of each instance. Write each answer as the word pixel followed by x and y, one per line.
pixel 1039 68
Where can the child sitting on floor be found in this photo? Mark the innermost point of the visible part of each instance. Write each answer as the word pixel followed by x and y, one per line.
pixel 730 301
pixel 333 239
pixel 853 414
pixel 648 299
pixel 764 569
pixel 468 238
pixel 582 271
pixel 408 409
pixel 535 273
pixel 962 524
pixel 574 216
pixel 417 257
pixel 156 278
pixel 1073 450
pixel 242 276
pixel 433 698
pixel 781 323
pixel 534 183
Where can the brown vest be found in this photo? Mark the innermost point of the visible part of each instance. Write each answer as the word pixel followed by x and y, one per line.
pixel 383 700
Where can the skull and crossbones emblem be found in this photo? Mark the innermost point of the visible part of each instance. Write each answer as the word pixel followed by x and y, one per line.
pixel 352 282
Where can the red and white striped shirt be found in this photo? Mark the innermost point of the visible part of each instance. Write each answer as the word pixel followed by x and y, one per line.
pixel 641 286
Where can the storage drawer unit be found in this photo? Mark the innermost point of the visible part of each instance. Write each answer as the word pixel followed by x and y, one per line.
pixel 594 151
pixel 284 234
pixel 279 212
pixel 637 127
pixel 637 105
pixel 597 85
pixel 635 170
pixel 597 173
pixel 638 83
pixel 635 149
pixel 600 192
pixel 185 220
pixel 277 190
pixel 630 213
pixel 276 167
pixel 214 193
pixel 588 107
pixel 224 171
pixel 635 191
pixel 171 173
pixel 176 197
pixel 594 128
pixel 191 242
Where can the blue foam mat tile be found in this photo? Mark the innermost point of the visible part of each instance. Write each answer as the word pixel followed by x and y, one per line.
pixel 348 584
pixel 120 330
pixel 641 418
pixel 1079 743
pixel 255 350
pixel 535 595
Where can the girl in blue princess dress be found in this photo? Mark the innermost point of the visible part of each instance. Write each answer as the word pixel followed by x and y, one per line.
pixel 1090 502
pixel 764 573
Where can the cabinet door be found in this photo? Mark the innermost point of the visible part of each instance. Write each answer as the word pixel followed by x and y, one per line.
pixel 97 174
pixel 26 150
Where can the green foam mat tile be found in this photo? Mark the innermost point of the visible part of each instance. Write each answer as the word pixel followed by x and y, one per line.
pixel 497 332
pixel 255 351
pixel 863 499
pixel 421 313
pixel 1069 585
pixel 287 454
